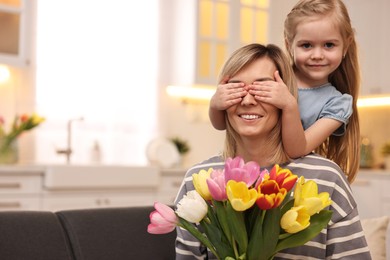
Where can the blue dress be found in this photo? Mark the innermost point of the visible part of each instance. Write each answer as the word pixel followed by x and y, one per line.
pixel 324 101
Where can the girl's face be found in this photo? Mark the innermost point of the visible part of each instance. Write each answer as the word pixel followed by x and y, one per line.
pixel 317 50
pixel 251 118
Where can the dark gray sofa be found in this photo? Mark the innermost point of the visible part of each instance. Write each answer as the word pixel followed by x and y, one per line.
pixel 87 234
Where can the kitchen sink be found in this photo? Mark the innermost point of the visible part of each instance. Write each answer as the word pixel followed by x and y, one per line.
pixel 100 176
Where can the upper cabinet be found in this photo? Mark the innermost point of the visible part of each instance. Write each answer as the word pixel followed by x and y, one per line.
pixel 206 32
pixel 14 16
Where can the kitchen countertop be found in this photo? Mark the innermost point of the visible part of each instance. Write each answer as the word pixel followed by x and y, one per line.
pixel 22 169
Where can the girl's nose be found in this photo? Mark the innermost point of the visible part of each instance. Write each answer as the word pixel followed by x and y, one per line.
pixel 317 54
pixel 248 100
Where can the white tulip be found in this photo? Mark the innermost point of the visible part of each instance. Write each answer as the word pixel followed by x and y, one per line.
pixel 192 207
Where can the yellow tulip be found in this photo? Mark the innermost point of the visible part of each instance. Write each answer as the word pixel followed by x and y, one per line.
pixel 306 194
pixel 295 219
pixel 240 196
pixel 200 183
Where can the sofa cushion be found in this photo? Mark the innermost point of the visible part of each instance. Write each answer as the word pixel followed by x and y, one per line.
pixel 115 233
pixel 32 235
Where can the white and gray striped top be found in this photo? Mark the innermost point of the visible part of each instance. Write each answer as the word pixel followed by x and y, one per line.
pixel 343 238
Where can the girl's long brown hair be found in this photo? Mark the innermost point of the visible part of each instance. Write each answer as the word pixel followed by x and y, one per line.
pixel 343 150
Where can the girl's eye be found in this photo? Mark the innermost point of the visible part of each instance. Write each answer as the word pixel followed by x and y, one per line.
pixel 306 45
pixel 329 45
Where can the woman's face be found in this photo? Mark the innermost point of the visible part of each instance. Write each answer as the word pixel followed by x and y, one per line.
pixel 251 118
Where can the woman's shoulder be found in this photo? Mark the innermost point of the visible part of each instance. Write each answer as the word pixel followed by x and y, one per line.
pixel 215 162
pixel 314 166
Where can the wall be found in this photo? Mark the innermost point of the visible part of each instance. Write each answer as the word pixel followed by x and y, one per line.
pixel 188 121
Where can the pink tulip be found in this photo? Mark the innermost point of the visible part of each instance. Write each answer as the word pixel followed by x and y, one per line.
pixel 217 185
pixel 163 220
pixel 236 169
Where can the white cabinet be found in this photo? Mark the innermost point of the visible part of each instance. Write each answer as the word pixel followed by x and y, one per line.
pixel 171 180
pixel 19 192
pixel 63 200
pixel 372 193
pixel 15 19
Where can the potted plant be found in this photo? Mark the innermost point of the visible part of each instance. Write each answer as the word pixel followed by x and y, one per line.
pixel 386 154
pixel 182 146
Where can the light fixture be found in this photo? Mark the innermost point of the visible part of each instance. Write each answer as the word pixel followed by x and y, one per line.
pixel 4 73
pixel 191 93
pixel 374 101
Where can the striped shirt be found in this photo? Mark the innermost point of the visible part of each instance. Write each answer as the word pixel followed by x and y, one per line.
pixel 342 239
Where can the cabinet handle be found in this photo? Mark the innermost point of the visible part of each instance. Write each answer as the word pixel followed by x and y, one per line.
pixel 15 204
pixel 14 185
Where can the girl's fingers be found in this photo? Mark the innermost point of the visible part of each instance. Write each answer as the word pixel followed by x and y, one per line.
pixel 277 77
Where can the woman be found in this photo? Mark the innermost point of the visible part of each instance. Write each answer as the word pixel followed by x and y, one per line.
pixel 254 133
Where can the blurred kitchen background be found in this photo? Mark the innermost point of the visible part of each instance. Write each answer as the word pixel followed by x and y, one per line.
pixel 102 68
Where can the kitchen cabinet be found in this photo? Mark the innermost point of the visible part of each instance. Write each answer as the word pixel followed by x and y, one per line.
pixel 372 193
pixel 15 22
pixel 208 31
pixel 63 187
pixel 171 180
pixel 63 200
pixel 20 191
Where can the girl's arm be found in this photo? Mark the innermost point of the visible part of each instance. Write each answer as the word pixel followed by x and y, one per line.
pixel 226 95
pixel 296 141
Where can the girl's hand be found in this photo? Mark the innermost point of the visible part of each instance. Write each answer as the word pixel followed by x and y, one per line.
pixel 227 94
pixel 273 92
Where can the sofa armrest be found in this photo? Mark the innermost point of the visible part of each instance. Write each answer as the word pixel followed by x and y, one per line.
pixel 115 233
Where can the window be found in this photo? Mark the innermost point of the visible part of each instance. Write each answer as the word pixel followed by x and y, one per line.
pixel 96 60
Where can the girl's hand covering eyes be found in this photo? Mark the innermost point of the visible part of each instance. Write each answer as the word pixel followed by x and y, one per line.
pixel 227 94
pixel 275 92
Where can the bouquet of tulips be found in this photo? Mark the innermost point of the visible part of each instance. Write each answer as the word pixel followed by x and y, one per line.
pixel 19 125
pixel 245 213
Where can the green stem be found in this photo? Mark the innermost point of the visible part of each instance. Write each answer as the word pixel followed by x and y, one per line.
pixel 198 235
pixel 234 247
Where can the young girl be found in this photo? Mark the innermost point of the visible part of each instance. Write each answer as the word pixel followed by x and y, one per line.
pixel 321 44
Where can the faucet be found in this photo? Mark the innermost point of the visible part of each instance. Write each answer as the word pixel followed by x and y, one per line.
pixel 68 150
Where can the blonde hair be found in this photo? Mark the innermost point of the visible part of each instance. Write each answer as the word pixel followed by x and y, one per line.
pixel 238 61
pixel 343 150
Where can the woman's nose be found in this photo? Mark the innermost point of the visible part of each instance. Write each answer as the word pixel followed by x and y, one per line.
pixel 248 100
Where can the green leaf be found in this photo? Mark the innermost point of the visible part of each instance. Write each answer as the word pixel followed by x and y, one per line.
pixel 238 229
pixel 198 235
pixel 250 218
pixel 317 223
pixel 256 237
pixel 286 206
pixel 222 216
pixel 265 235
pixel 271 230
pixel 217 238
